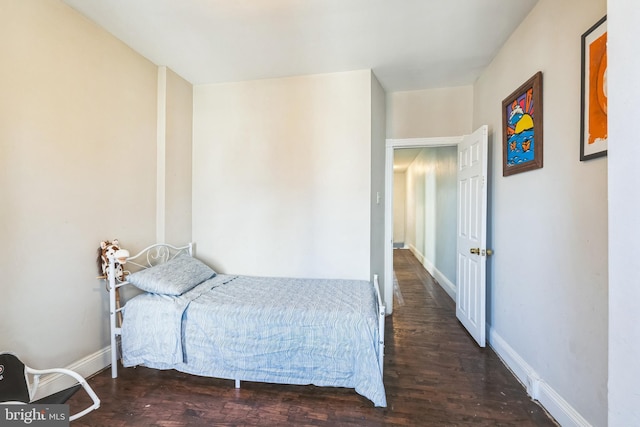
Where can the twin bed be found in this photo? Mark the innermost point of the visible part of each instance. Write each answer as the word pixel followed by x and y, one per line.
pixel 325 332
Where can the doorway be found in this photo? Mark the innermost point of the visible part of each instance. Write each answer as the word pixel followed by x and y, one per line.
pixel 471 165
pixel 391 146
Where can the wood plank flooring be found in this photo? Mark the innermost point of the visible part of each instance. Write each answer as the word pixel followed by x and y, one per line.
pixel 435 375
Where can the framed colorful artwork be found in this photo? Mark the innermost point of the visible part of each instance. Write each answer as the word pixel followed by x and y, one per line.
pixel 593 122
pixel 522 128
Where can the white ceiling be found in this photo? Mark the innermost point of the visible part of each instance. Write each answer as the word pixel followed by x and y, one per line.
pixel 409 44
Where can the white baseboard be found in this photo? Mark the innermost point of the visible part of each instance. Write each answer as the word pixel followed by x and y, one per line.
pixel 446 284
pixel 536 387
pixel 416 253
pixel 86 367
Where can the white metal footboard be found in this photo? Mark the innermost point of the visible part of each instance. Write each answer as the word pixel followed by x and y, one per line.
pixel 381 319
pixel 148 257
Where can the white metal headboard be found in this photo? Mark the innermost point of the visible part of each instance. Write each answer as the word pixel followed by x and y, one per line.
pixel 158 254
pixel 146 258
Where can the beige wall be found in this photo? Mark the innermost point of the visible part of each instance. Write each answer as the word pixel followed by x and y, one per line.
pixel 77 162
pixel 282 175
pixel 430 113
pixel 548 291
pixel 177 175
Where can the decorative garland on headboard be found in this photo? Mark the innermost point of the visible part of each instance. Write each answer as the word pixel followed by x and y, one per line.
pixel 107 249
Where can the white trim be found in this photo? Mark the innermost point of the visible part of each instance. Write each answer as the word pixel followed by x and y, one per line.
pixel 536 387
pixel 161 153
pixel 446 284
pixel 565 414
pixel 521 369
pixel 443 141
pixel 388 229
pixel 86 367
pixel 381 323
pixel 416 253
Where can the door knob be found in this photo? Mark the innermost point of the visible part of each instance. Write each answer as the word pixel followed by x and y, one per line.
pixel 476 251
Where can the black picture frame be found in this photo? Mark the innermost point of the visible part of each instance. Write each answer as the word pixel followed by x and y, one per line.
pixel 593 95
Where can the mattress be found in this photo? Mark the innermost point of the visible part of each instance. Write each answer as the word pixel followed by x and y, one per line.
pixel 278 330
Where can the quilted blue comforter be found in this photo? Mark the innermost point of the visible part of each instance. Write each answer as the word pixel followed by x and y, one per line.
pixel 278 330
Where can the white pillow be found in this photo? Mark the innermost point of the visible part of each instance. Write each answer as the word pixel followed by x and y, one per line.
pixel 174 277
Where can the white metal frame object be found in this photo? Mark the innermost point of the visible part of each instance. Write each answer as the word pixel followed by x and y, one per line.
pixel 146 258
pixel 33 387
pixel 381 320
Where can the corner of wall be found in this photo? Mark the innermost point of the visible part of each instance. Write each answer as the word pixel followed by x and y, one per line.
pixel 536 387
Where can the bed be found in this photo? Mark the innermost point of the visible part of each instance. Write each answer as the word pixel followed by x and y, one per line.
pixel 325 332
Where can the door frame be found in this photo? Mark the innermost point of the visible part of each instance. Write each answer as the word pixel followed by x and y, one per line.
pixel 391 145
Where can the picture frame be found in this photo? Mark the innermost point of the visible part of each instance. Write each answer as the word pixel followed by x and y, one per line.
pixel 522 128
pixel 593 98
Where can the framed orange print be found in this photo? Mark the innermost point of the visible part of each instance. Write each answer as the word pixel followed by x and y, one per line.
pixel 593 122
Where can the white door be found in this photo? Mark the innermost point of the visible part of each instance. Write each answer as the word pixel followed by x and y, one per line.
pixel 472 234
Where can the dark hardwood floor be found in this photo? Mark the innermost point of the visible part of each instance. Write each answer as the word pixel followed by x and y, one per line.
pixel 435 375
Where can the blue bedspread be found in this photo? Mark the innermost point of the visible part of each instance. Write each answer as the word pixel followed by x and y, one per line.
pixel 278 330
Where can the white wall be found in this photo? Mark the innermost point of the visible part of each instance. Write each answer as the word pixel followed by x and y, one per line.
pixel 446 197
pixel 624 211
pixel 430 113
pixel 399 202
pixel 416 206
pixel 282 175
pixel 77 128
pixel 548 293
